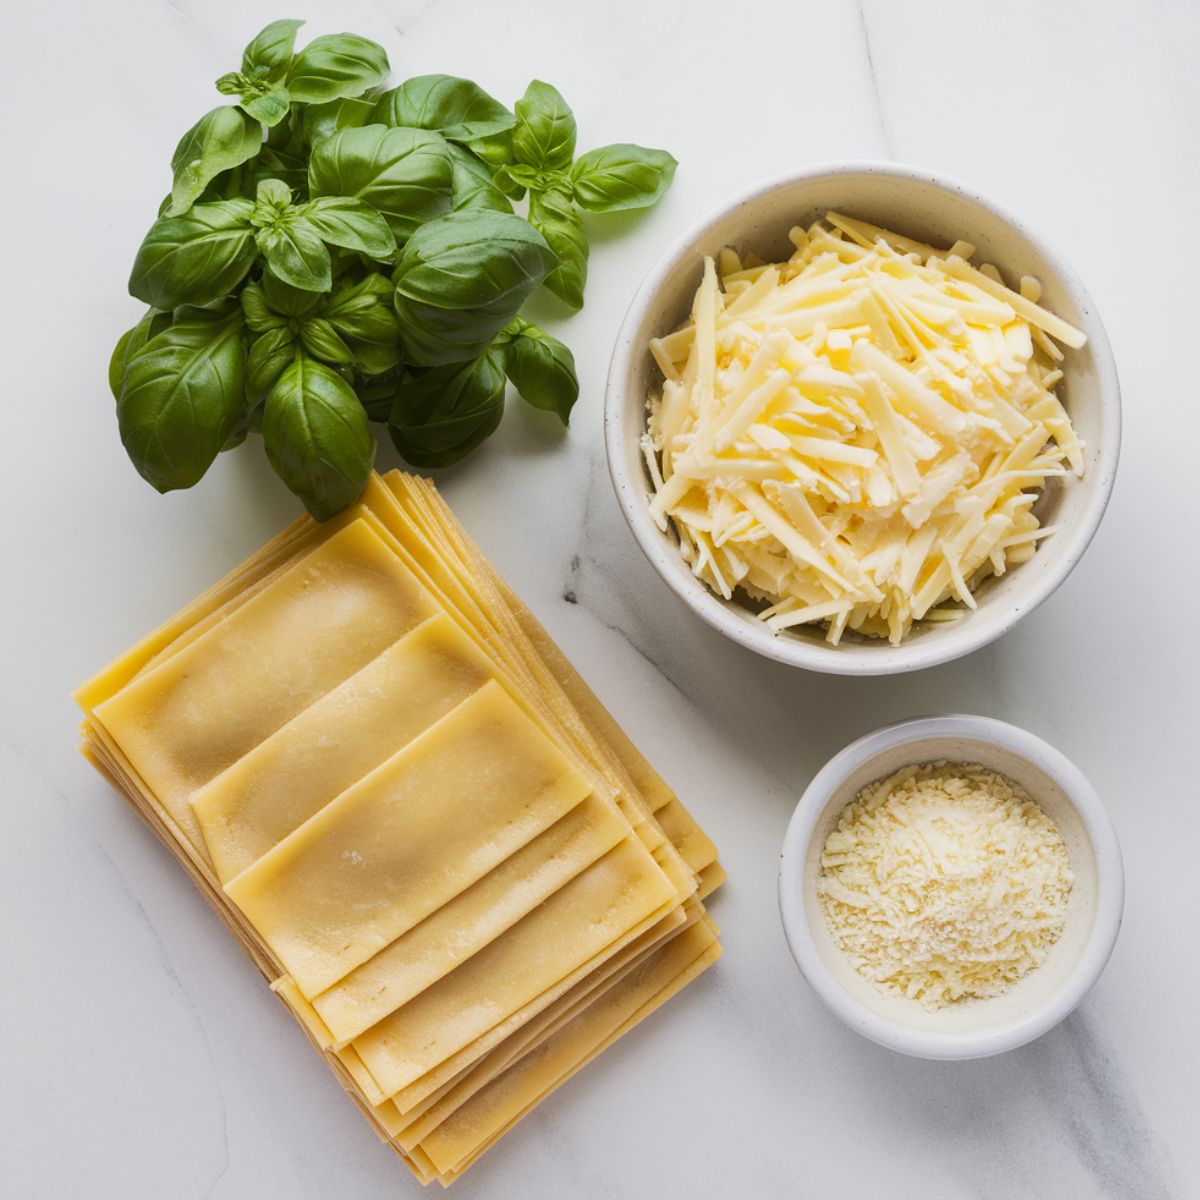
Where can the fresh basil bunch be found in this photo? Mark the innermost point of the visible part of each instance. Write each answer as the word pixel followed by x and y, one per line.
pixel 333 255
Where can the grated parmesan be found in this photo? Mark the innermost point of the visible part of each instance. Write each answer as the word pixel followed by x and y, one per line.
pixel 856 437
pixel 943 882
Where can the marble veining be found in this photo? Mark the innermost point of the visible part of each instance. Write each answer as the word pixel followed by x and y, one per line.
pixel 145 1058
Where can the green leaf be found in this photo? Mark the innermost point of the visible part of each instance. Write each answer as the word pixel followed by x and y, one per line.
pixel 269 107
pixel 541 368
pixel 183 396
pixel 195 258
pixel 461 111
pixel 353 297
pixel 403 173
pixel 335 66
pixel 259 314
pixel 286 300
pixel 270 53
pixel 261 83
pixel 322 341
pixel 287 162
pixel 440 416
pixel 238 434
pixel 362 315
pixel 270 355
pixel 472 183
pixel 271 197
pixel 131 342
pixel 321 121
pixel 505 181
pixel 544 136
pixel 220 140
pixel 461 279
pixel 317 437
pixel 351 224
pixel 495 150
pixel 234 184
pixel 295 252
pixel 377 393
pixel 116 362
pixel 556 218
pixel 523 177
pixel 623 176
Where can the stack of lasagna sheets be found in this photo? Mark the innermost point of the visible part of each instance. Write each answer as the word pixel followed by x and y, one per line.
pixel 450 863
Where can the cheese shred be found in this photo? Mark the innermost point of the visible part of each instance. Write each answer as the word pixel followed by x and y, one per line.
pixel 944 882
pixel 857 436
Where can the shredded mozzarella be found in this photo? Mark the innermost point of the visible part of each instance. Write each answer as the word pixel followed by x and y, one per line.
pixel 855 437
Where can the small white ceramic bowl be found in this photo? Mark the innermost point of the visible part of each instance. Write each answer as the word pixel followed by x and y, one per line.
pixel 926 206
pixel 1037 1002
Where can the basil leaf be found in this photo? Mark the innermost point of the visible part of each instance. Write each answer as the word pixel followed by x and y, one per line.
pixel 523 176
pixel 508 184
pixel 556 218
pixel 286 300
pixel 234 184
pixel 285 157
pixel 351 224
pixel 403 173
pixel 295 252
pixel 269 107
pixel 261 84
pixel 268 358
pixel 359 296
pixel 195 258
pixel 472 185
pixel 220 140
pixel 440 416
pixel 270 53
pixel 542 369
pixel 618 177
pixel 335 66
pixel 377 393
pixel 544 135
pixel 259 314
pixel 317 437
pixel 321 121
pixel 363 317
pixel 130 343
pixel 461 111
pixel 271 197
pixel 496 150
pixel 238 435
pixel 461 279
pixel 183 395
pixel 321 340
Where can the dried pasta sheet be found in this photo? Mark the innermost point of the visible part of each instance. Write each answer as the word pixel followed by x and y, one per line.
pixel 597 912
pixel 206 706
pixel 391 850
pixel 450 862
pixel 255 803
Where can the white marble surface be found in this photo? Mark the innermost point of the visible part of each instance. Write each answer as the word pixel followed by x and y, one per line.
pixel 144 1059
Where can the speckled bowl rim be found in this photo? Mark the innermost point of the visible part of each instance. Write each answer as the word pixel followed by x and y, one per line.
pixel 1109 904
pixel 950 641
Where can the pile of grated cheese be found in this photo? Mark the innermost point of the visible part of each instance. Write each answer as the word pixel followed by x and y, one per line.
pixel 944 881
pixel 857 436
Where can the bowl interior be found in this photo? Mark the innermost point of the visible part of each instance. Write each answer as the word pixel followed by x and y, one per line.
pixel 937 212
pixel 1036 988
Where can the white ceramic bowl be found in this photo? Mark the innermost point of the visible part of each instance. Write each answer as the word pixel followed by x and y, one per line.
pixel 922 205
pixel 1037 1002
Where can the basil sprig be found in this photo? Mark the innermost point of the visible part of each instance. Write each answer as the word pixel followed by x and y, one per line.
pixel 333 254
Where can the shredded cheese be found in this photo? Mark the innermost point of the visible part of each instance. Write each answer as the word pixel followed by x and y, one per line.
pixel 856 437
pixel 943 882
